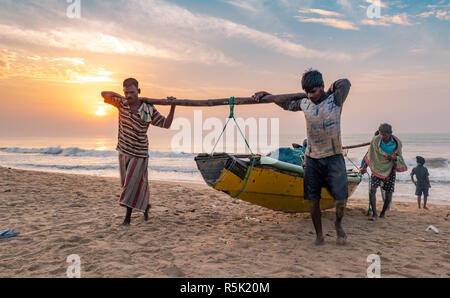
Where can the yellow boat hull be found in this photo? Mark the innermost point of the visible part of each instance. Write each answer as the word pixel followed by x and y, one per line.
pixel 266 186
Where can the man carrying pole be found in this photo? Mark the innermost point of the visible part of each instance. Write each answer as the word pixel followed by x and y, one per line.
pixel 325 162
pixel 135 117
pixel 325 165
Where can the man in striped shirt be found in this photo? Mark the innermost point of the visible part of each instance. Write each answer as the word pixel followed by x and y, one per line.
pixel 135 117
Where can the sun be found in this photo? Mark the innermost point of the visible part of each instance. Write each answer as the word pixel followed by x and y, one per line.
pixel 100 111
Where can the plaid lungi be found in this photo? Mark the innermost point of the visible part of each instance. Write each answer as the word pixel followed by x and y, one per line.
pixel 134 180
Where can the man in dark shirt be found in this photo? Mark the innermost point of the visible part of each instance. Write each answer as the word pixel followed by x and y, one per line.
pixel 423 181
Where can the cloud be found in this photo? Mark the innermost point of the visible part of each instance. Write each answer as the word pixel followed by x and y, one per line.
pixel 34 58
pixel 253 6
pixel 3 61
pixel 75 61
pixel 331 22
pixel 426 14
pixel 393 79
pixel 320 12
pixel 442 15
pixel 399 19
pixel 439 5
pixel 367 54
pixel 98 42
pixel 341 24
pixel 417 50
pixel 372 22
pixel 381 3
pixel 55 69
pixel 178 21
pixel 176 34
pixel 6 58
pixel 283 46
pixel 439 11
pixel 344 3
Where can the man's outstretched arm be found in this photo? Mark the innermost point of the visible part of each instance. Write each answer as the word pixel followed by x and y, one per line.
pixel 340 89
pixel 289 104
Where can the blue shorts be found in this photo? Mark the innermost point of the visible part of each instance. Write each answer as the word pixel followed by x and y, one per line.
pixel 422 189
pixel 329 172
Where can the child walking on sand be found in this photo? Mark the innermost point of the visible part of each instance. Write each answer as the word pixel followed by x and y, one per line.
pixel 423 181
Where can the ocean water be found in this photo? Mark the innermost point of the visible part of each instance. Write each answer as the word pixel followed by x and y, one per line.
pixel 97 156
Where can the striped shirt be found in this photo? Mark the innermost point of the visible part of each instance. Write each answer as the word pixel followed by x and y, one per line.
pixel 132 137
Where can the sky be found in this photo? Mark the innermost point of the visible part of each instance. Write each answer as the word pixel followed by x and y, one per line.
pixel 55 60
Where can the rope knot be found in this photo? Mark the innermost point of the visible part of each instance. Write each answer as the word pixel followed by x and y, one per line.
pixel 231 103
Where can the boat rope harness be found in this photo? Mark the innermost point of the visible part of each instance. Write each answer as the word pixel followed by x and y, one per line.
pixel 231 116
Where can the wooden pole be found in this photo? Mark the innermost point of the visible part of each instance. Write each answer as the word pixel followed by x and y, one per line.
pixel 356 146
pixel 223 101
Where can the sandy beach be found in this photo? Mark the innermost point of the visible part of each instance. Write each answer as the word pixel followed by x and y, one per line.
pixel 195 231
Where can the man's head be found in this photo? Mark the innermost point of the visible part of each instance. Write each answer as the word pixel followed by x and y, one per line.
pixel 131 89
pixel 312 83
pixel 420 160
pixel 385 132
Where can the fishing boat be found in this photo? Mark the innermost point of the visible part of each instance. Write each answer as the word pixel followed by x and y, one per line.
pixel 258 179
pixel 263 180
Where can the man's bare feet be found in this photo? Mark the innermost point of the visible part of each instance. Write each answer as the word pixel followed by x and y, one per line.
pixel 341 235
pixel 319 240
pixel 341 240
pixel 127 220
pixel 374 217
pixel 426 208
pixel 146 212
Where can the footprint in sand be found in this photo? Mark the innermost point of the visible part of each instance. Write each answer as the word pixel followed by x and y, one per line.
pixel 77 205
pixel 78 240
pixel 35 267
pixel 173 271
pixel 58 272
pixel 411 266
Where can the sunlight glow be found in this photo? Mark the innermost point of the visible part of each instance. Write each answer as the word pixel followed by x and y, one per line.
pixel 100 111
